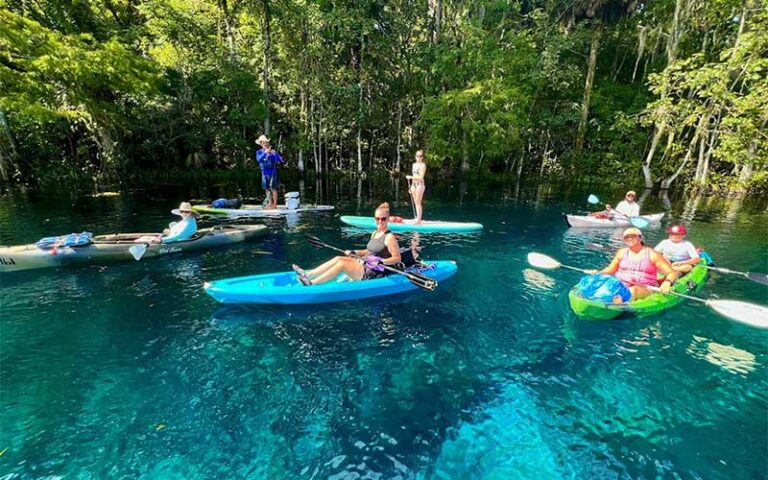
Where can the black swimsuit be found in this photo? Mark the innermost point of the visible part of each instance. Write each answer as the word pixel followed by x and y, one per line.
pixel 377 247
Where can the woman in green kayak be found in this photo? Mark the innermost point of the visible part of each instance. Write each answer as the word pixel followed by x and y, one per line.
pixel 637 266
pixel 382 249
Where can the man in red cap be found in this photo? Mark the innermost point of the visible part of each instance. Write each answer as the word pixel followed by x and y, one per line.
pixel 680 252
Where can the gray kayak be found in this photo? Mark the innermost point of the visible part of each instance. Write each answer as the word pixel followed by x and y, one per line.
pixel 117 247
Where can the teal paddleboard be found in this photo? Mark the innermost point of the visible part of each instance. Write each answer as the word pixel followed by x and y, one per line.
pixel 426 226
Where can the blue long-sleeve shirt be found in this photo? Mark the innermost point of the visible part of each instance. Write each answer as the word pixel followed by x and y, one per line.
pixel 268 162
pixel 182 230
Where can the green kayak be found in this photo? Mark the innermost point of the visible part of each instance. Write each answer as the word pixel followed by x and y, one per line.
pixel 652 304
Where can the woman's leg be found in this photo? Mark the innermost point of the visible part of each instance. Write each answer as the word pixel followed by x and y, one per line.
pixel 418 196
pixel 639 292
pixel 330 264
pixel 350 267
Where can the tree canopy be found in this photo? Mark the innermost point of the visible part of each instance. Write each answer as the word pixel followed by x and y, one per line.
pixel 663 92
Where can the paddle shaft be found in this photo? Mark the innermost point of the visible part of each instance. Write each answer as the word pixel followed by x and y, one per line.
pixel 410 194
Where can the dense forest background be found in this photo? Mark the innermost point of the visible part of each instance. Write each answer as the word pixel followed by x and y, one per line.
pixel 662 92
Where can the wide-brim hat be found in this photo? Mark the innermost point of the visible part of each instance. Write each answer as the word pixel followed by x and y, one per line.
pixel 262 138
pixel 185 207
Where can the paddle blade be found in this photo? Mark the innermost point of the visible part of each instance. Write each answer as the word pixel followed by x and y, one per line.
pixel 639 222
pixel 758 277
pixel 742 312
pixel 598 247
pixel 593 200
pixel 539 260
pixel 422 281
pixel 137 251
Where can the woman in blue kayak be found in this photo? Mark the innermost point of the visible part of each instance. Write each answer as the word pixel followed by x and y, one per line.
pixel 176 231
pixel 382 249
pixel 417 188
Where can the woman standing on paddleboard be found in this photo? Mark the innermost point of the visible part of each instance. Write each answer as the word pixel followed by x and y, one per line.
pixel 417 186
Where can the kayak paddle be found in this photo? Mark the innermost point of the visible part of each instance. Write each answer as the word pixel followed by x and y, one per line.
pixel 743 312
pixel 410 194
pixel 638 222
pixel 421 281
pixel 755 277
pixel 138 250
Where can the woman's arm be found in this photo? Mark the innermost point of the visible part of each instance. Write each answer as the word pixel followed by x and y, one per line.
pixel 663 265
pixel 613 267
pixel 394 250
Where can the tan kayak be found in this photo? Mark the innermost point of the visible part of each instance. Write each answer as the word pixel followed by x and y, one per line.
pixel 120 246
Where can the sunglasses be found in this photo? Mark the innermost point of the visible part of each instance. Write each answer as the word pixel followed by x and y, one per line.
pixel 381 219
pixel 631 236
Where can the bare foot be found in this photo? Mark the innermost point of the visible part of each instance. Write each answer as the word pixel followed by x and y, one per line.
pixel 299 271
pixel 304 281
pixel 617 299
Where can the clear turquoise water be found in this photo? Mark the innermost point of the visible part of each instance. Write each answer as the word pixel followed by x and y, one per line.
pixel 131 371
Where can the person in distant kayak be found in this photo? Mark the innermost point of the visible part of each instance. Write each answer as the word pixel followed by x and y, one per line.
pixel 268 160
pixel 628 207
pixel 417 188
pixel 680 252
pixel 176 231
pixel 637 266
pixel 625 209
pixel 382 249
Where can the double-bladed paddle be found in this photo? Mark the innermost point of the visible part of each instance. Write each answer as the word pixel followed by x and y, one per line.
pixel 743 312
pixel 754 276
pixel 638 222
pixel 137 251
pixel 421 281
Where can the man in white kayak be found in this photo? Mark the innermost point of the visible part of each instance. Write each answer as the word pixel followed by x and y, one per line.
pixel 625 209
pixel 628 207
pixel 680 252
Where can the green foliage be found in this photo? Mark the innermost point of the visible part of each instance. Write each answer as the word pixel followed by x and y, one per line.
pixel 99 88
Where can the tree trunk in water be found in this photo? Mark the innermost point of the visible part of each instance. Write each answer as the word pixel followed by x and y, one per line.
pixel 228 29
pixel 359 150
pixel 267 42
pixel 591 65
pixel 399 134
pixel 464 152
pixel 8 153
pixel 647 176
pixel 689 152
pixel 746 170
pixel 436 8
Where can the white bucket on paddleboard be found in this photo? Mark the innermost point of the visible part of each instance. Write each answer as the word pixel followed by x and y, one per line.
pixel 292 200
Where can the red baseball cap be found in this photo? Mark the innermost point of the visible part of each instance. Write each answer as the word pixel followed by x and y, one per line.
pixel 677 229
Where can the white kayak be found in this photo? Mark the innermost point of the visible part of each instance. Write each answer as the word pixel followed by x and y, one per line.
pixel 588 221
pixel 258 210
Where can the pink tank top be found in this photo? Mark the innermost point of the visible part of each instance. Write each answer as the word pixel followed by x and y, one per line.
pixel 637 271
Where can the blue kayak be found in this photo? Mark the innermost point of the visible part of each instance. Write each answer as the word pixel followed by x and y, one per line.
pixel 283 288
pixel 426 226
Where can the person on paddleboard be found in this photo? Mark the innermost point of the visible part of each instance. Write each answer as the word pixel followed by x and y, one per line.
pixel 176 231
pixel 417 186
pixel 382 249
pixel 680 252
pixel 638 266
pixel 268 159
